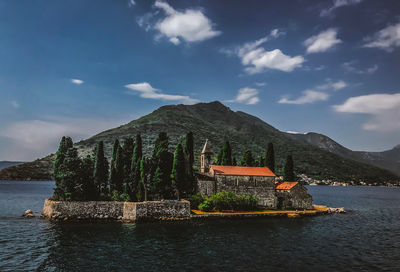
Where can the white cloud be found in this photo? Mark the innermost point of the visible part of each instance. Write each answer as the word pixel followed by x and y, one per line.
pixel 292 132
pixel 312 96
pixel 384 110
pixel 256 59
pixel 338 4
pixel 350 67
pixel 147 91
pixel 247 96
pixel 77 81
pixel 338 85
pixel 322 42
pixel 309 96
pixel 260 84
pixel 30 139
pixel 15 104
pixel 386 39
pixel 190 25
pixel 131 3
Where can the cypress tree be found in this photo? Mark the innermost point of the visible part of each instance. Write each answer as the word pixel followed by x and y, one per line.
pixel 178 171
pixel 137 153
pixel 160 144
pixel 116 171
pixel 189 159
pixel 161 186
pixel 247 159
pixel 289 169
pixel 89 188
pixel 101 171
pixel 135 168
pixel 145 174
pixel 65 144
pixel 226 156
pixel 127 151
pixel 270 157
pixel 71 176
pixel 114 150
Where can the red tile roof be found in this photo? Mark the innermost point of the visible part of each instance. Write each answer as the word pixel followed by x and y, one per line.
pixel 242 171
pixel 285 185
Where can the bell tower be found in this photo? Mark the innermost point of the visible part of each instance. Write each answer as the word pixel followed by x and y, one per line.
pixel 206 157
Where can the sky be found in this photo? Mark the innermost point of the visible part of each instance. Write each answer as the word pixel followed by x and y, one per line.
pixel 79 67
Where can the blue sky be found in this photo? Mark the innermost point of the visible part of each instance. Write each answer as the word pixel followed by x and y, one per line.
pixel 79 67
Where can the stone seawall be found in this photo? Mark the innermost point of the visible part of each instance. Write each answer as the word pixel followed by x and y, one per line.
pixel 113 210
pixel 156 210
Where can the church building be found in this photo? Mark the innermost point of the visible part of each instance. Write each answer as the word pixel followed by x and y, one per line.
pixel 259 181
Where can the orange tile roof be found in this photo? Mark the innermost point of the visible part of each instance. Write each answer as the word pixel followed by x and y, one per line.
pixel 242 171
pixel 285 185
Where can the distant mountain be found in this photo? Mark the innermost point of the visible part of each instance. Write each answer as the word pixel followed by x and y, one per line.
pixel 389 159
pixel 5 164
pixel 215 122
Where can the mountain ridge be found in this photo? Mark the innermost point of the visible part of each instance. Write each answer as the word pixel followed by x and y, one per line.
pixel 216 122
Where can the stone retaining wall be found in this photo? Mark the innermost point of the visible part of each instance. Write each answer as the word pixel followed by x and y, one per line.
pixel 156 210
pixel 113 210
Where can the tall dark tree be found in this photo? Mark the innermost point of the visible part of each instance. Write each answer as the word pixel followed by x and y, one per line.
pixel 127 151
pixel 101 172
pixel 226 156
pixel 161 186
pixel 289 169
pixel 71 178
pixel 178 171
pixel 234 163
pixel 114 150
pixel 145 176
pixel 65 144
pixel 247 159
pixel 270 157
pixel 189 160
pixel 86 178
pixel 160 145
pixel 135 168
pixel 116 172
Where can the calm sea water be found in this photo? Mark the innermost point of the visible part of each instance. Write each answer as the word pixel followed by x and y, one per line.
pixel 366 239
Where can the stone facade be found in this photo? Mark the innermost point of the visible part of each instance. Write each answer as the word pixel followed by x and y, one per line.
pixel 156 210
pixel 295 198
pixel 262 187
pixel 113 210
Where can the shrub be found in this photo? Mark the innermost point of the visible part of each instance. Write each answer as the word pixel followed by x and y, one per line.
pixel 196 200
pixel 227 200
pixel 206 206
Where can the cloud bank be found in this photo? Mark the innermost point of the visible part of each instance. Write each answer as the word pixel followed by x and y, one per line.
pixel 383 109
pixel 338 4
pixel 386 39
pixel 145 90
pixel 247 96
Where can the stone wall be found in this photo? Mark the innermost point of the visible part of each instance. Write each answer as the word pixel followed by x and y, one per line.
pixel 262 187
pixel 156 210
pixel 296 198
pixel 112 210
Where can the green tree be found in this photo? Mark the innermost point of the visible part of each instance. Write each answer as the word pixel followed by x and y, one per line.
pixel 145 176
pixel 270 157
pixel 178 171
pixel 189 159
pixel 161 186
pixel 86 179
pixel 247 159
pixel 101 171
pixel 114 150
pixel 289 169
pixel 226 156
pixel 135 168
pixel 65 144
pixel 116 171
pixel 70 176
pixel 127 151
pixel 160 145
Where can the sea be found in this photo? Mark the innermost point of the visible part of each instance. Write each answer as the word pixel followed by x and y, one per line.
pixel 367 238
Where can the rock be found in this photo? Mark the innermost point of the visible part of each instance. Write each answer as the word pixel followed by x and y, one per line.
pixel 28 213
pixel 336 210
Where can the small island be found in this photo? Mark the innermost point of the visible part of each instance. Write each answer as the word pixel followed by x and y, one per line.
pixel 165 185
